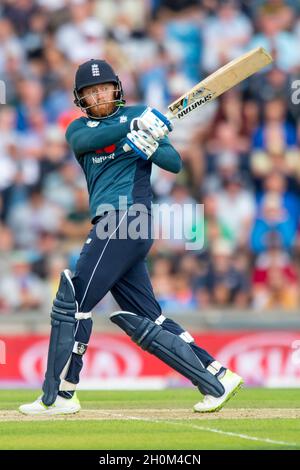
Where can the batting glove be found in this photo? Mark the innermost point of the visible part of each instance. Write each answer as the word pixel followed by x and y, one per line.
pixel 142 143
pixel 152 121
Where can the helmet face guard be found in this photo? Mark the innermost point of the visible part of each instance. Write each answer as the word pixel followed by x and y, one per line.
pixel 80 101
pixel 96 72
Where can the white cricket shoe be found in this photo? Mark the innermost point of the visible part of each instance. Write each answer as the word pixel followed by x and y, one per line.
pixel 61 406
pixel 231 382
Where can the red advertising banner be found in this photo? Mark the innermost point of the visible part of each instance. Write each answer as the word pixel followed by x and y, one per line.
pixel 262 358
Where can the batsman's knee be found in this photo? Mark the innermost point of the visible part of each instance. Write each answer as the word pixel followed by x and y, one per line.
pixel 171 348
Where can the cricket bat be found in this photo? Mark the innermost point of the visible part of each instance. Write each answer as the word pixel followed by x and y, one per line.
pixel 218 82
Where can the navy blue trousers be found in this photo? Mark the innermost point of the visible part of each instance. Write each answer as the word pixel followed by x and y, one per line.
pixel 113 261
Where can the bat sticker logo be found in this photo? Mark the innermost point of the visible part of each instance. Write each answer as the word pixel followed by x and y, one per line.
pixel 191 101
pixel 194 105
pixel 198 93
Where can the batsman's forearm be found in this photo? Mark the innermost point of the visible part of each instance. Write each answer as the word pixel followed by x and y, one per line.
pixel 82 141
pixel 167 158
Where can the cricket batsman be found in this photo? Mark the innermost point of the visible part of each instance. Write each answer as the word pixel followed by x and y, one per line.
pixel 118 183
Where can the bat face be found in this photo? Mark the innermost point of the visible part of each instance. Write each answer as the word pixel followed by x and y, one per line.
pixel 191 101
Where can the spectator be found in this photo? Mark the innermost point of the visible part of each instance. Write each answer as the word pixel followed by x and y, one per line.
pixel 184 39
pixel 225 35
pixel 211 228
pixel 225 152
pixel 54 152
pixel 274 258
pixel 190 266
pixel 19 13
pixel 30 102
pixel 77 222
pixel 183 295
pixel 276 134
pixel 21 290
pixel 48 245
pixel 275 280
pixel 276 183
pixel 282 44
pixel 222 285
pixel 239 220
pixel 8 154
pixel 161 278
pixel 273 222
pixel 30 219
pixel 6 248
pixel 59 186
pixel 133 13
pixel 33 40
pixel 82 37
pixel 54 266
pixel 10 44
pixel 277 293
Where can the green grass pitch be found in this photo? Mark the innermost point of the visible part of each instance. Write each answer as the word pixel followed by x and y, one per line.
pixel 254 419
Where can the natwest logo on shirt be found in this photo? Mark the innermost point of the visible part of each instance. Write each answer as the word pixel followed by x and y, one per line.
pixel 103 158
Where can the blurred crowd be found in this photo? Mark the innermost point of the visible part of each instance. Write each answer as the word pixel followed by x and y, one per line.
pixel 240 153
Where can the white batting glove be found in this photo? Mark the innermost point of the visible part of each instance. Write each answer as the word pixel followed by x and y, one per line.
pixel 142 143
pixel 152 121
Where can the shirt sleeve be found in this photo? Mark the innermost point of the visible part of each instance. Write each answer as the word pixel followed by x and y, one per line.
pixel 167 157
pixel 83 139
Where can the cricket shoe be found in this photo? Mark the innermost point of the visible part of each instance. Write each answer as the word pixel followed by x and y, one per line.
pixel 61 406
pixel 231 383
